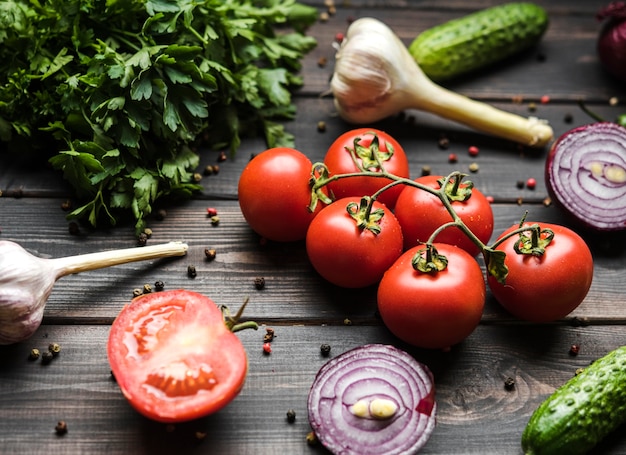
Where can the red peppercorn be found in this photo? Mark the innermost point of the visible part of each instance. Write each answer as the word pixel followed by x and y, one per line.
pixel 489 199
pixel 211 211
pixel 545 99
pixel 531 183
pixel 473 150
pixel 452 158
pixel 267 348
pixel 339 37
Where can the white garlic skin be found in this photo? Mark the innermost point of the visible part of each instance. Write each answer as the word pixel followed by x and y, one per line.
pixel 25 284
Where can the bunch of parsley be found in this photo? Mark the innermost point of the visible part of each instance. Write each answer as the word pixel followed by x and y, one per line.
pixel 115 92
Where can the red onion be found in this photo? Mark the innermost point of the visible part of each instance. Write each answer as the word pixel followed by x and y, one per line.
pixel 586 175
pixel 612 39
pixel 353 398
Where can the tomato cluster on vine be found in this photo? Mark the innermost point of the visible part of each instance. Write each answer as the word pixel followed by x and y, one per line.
pixel 367 223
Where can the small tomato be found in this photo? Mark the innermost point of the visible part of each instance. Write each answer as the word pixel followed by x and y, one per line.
pixel 421 213
pixel 546 287
pixel 433 310
pixel 367 145
pixel 347 253
pixel 173 356
pixel 274 194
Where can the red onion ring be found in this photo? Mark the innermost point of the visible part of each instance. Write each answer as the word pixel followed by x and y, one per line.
pixel 362 375
pixel 585 173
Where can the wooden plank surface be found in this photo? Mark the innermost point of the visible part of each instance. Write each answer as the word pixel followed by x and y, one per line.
pixel 476 414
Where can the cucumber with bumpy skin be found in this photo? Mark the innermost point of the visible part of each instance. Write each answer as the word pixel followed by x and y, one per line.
pixel 478 39
pixel 580 413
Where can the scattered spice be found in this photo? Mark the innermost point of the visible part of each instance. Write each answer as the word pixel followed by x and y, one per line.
pixel 191 271
pixel 321 126
pixel 54 348
pixel 222 157
pixel 325 349
pixel 531 183
pixel 161 214
pixel 142 239
pixel 216 169
pixel 545 99
pixel 159 285
pixel 34 354
pixel 259 283
pixel 569 118
pixel 208 170
pixel 509 383
pixel 519 184
pixel 574 349
pixel 473 167
pixel 210 253
pixel 443 143
pixel 452 158
pixel 215 220
pixel 211 211
pixel 269 335
pixel 517 99
pixel 324 16
pixel 46 357
pixel 267 348
pixel 322 62
pixel 311 439
pixel 137 292
pixel 426 170
pixel 347 321
pixel 532 107
pixel 61 427
pixel 201 435
pixel 148 232
pixel 613 101
pixel 147 289
pixel 578 371
pixel 339 37
pixel 490 199
pixel 73 228
pixel 197 177
pixel 66 205
pixel 547 202
pixel 473 150
pixel 291 416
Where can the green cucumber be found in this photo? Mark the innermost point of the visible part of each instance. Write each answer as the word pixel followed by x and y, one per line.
pixel 580 413
pixel 478 40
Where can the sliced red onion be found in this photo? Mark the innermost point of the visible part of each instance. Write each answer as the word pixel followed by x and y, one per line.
pixel 375 399
pixel 586 175
pixel 612 39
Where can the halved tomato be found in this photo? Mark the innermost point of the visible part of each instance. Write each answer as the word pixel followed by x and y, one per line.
pixel 173 356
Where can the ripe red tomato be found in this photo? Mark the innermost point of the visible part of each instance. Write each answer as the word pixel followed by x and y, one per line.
pixel 421 213
pixel 173 356
pixel 433 310
pixel 339 160
pixel 548 287
pixel 274 194
pixel 347 255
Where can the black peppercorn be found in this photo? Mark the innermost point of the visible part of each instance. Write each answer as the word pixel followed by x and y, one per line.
pixel 325 349
pixel 191 271
pixel 509 383
pixel 159 285
pixel 61 427
pixel 259 283
pixel 291 416
pixel 46 357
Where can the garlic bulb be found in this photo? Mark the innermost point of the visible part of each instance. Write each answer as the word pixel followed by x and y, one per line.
pixel 376 77
pixel 26 281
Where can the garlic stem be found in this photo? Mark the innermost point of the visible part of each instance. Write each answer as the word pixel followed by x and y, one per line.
pixel 92 261
pixel 376 77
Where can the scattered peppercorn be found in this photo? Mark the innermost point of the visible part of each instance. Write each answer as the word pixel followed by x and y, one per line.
pixel 509 383
pixel 321 126
pixel 137 292
pixel 46 357
pixel 517 99
pixel 269 335
pixel 216 169
pixel 578 371
pixel 148 232
pixel 61 427
pixel 325 349
pixel 73 228
pixel 490 199
pixel 197 177
pixel 347 321
pixel 267 348
pixel 473 167
pixel 569 118
pixel 473 150
pixel 142 239
pixel 547 202
pixel 532 107
pixel 259 283
pixel 34 354
pixel 222 157
pixel 210 253
pixel 147 289
pixel 159 285
pixel 613 101
pixel 324 16
pixel 291 416
pixel 339 37
pixel 215 220
pixel 531 183
pixel 574 349
pixel 201 435
pixel 545 99
pixel 443 143
pixel 426 170
pixel 54 348
pixel 191 271
pixel 211 211
pixel 322 61
pixel 66 205
pixel 519 184
pixel 208 170
pixel 452 158
pixel 311 439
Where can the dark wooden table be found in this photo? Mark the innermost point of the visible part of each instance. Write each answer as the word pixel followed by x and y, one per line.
pixel 477 415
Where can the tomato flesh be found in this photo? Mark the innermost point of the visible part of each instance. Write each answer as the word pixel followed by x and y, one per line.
pixel 174 358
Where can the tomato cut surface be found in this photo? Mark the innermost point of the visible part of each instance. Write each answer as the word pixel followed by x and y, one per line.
pixel 174 358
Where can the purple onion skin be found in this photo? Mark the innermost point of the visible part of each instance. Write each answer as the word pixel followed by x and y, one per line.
pixel 611 45
pixel 578 175
pixel 371 372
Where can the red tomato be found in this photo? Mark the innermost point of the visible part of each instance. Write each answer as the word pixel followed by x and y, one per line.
pixel 433 310
pixel 274 194
pixel 421 213
pixel 548 287
pixel 339 160
pixel 347 255
pixel 173 356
